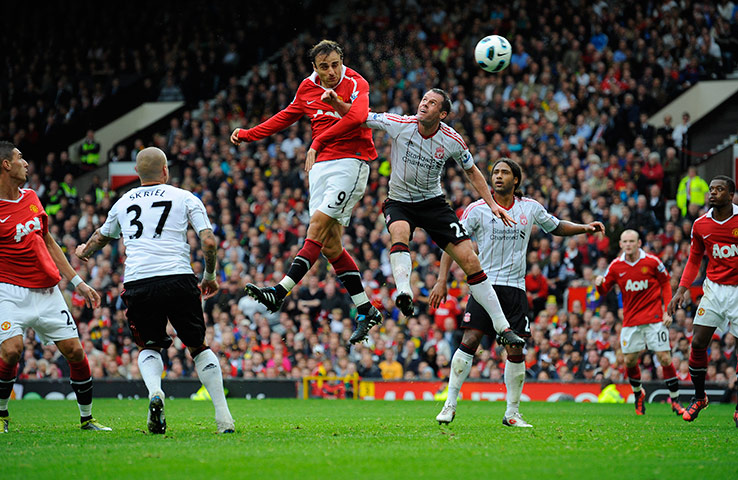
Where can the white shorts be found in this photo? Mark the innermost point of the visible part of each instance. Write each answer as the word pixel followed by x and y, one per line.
pixel 651 336
pixel 42 309
pixel 718 307
pixel 336 186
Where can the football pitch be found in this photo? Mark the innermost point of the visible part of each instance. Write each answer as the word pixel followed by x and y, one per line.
pixel 326 439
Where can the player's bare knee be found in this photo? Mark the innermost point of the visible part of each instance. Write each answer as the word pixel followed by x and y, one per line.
pixel 73 352
pixel 664 357
pixel 11 356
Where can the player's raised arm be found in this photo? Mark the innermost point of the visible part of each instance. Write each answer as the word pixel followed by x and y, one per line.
pixel 92 298
pixel 477 180
pixel 96 241
pixel 276 123
pixel 568 229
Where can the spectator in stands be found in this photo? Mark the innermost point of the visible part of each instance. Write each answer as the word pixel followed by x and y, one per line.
pixel 692 190
pixel 89 152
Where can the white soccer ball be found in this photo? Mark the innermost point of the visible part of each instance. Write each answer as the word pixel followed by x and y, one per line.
pixel 493 53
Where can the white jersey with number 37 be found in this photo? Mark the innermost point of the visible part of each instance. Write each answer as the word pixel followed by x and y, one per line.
pixel 153 222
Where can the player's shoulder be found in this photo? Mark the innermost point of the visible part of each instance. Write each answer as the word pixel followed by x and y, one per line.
pixel 474 209
pixel 353 74
pixel 652 258
pixel 394 118
pixel 452 134
pixel 28 195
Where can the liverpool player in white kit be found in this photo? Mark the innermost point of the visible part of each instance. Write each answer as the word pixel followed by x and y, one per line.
pixel 159 282
pixel 502 251
pixel 646 288
pixel 421 144
pixel 30 267
pixel 715 236
pixel 338 168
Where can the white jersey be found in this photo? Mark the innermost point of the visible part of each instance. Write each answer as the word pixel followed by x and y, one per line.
pixel 153 222
pixel 502 250
pixel 418 162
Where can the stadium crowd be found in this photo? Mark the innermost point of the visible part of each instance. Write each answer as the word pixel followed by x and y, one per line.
pixel 571 110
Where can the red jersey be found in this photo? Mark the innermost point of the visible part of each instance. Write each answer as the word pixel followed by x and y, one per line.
pixel 645 286
pixel 333 136
pixel 25 260
pixel 719 242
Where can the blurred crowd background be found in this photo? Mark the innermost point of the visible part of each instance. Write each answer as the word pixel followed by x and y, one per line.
pixel 571 109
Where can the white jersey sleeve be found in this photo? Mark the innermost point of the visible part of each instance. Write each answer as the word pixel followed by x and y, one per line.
pixel 542 218
pixel 463 157
pixel 470 220
pixel 153 222
pixel 387 122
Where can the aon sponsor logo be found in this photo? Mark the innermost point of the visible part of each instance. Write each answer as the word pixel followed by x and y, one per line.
pixel 724 251
pixel 636 285
pixel 22 230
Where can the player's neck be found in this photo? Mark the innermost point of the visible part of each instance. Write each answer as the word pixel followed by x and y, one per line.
pixel 428 130
pixel 633 257
pixel 9 191
pixel 505 200
pixel 148 184
pixel 722 212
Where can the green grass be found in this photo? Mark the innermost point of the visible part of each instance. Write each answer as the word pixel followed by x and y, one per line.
pixel 326 439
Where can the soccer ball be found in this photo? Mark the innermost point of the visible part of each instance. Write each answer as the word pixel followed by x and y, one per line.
pixel 493 53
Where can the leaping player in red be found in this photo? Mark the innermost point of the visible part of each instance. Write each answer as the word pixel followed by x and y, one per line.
pixel 714 235
pixel 646 288
pixel 30 263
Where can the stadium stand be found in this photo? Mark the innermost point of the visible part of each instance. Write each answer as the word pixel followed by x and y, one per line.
pixel 572 110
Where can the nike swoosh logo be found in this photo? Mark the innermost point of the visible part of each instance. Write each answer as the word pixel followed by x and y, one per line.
pixel 310 101
pixel 705 236
pixel 620 275
pixel 4 219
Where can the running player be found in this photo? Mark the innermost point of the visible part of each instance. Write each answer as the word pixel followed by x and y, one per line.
pixel 502 252
pixel 159 281
pixel 715 236
pixel 646 288
pixel 421 145
pixel 30 267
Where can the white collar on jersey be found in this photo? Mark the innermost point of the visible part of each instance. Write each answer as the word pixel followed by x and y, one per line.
pixel 641 256
pixel 735 212
pixel 314 77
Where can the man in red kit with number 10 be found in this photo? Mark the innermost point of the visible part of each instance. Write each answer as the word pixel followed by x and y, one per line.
pixel 338 168
pixel 715 236
pixel 646 288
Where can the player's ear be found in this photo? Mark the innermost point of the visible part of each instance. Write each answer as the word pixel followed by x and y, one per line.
pixel 443 115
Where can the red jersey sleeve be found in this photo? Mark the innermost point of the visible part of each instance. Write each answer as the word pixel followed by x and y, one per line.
pixel 609 281
pixel 356 115
pixel 276 123
pixel 662 275
pixel 696 252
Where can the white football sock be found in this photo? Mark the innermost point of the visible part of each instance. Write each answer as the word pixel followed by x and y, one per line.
pixel 461 365
pixel 402 265
pixel 211 376
pixel 151 367
pixel 485 295
pixel 287 283
pixel 514 380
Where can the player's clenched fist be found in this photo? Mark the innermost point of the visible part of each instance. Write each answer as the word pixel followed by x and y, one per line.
pixel 234 137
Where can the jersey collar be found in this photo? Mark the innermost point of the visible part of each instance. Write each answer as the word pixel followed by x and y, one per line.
pixel 735 212
pixel 498 203
pixel 641 256
pixel 17 200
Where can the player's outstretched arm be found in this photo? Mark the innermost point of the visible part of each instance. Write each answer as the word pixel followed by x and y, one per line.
pixel 477 180
pixel 568 229
pixel 208 285
pixel 440 290
pixel 92 298
pixel 96 242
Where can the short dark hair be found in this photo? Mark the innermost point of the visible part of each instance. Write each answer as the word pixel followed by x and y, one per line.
pixel 516 171
pixel 324 47
pixel 728 180
pixel 6 150
pixel 446 102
